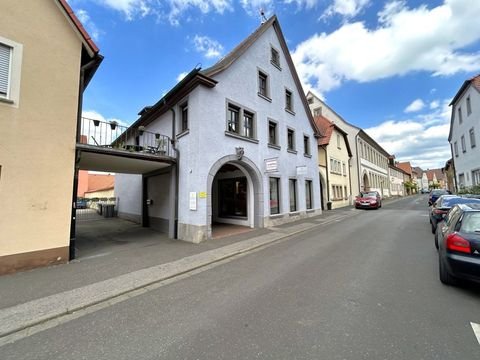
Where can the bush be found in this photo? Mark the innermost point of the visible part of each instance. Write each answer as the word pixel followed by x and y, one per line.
pixel 470 190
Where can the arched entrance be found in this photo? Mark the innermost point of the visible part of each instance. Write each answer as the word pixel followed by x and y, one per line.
pixel 366 182
pixel 236 193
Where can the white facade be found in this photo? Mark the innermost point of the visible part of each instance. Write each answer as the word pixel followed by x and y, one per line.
pixel 373 165
pixel 318 107
pixel 464 134
pixel 213 156
pixel 397 178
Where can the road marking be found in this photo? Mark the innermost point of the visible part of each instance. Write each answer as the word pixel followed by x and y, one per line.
pixel 476 331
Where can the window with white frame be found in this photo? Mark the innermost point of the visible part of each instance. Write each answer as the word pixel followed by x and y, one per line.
pixel 455 148
pixel 272 133
pixel 472 137
pixel 469 106
pixel 274 195
pixel 10 68
pixel 460 118
pixel 464 146
pixel 5 65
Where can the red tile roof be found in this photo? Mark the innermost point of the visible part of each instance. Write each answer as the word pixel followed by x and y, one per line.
pixel 79 26
pixel 326 129
pixel 97 182
pixel 405 166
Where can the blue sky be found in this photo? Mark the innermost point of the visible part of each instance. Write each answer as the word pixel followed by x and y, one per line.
pixel 389 67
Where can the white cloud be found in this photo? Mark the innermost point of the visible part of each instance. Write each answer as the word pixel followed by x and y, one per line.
pixel 422 140
pixel 208 47
pixel 346 8
pixel 405 40
pixel 181 76
pixel 253 7
pixel 89 25
pixel 434 104
pixel 171 10
pixel 416 105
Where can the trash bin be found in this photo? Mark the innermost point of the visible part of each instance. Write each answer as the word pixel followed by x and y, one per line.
pixel 99 209
pixel 108 210
pixel 329 205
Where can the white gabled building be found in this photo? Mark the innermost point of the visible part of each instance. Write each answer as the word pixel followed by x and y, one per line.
pixel 464 129
pixel 245 141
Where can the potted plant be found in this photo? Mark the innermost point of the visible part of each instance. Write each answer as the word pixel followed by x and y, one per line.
pixel 141 129
pixel 113 125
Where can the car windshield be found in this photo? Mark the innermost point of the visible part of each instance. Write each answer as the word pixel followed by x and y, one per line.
pixel 439 192
pixel 471 223
pixel 368 194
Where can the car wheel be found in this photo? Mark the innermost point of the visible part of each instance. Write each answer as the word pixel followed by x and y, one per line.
pixel 445 276
pixel 436 240
pixel 434 227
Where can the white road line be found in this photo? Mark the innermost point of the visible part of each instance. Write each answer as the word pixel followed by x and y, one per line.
pixel 476 330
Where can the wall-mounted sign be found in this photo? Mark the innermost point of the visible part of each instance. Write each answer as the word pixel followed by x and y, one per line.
pixel 271 165
pixel 202 195
pixel 301 170
pixel 193 200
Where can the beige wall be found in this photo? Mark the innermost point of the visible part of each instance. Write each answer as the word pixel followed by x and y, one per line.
pixel 37 145
pixel 338 151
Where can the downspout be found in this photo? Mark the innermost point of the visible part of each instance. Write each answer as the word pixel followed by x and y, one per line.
pixel 328 179
pixel 177 173
pixel 350 180
pixel 73 221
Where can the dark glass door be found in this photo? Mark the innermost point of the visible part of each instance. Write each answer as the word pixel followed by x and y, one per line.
pixel 232 197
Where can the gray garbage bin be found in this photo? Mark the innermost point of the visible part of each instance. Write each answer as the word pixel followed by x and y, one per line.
pixel 329 205
pixel 108 210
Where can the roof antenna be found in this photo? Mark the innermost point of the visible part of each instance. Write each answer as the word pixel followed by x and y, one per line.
pixel 263 19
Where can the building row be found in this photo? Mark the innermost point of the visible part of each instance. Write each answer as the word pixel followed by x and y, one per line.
pixel 237 143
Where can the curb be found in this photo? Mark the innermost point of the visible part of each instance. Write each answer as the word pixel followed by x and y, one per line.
pixel 39 311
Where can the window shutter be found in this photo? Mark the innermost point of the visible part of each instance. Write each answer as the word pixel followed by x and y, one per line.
pixel 5 53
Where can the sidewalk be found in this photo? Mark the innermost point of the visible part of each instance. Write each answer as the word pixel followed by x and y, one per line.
pixel 40 295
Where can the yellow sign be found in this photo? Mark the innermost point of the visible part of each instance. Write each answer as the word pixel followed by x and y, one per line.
pixel 202 195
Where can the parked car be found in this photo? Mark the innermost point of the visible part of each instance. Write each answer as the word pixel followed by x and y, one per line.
pixel 424 191
pixel 435 194
pixel 440 208
pixel 459 244
pixel 368 200
pixel 81 203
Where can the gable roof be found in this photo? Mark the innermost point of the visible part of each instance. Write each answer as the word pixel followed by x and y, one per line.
pixel 240 49
pixel 310 92
pixel 406 167
pixel 475 82
pixel 86 38
pixel 439 175
pixel 372 142
pixel 91 58
pixel 326 127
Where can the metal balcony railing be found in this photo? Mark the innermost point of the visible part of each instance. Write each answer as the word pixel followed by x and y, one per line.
pixel 112 135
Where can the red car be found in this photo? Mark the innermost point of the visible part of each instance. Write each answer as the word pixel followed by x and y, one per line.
pixel 368 200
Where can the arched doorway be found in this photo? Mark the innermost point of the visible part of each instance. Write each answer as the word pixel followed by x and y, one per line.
pixel 236 193
pixel 366 182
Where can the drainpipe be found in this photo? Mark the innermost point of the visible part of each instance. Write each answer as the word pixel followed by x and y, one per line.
pixel 350 180
pixel 328 178
pixel 177 172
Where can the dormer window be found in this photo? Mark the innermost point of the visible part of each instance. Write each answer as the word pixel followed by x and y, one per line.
pixel 275 57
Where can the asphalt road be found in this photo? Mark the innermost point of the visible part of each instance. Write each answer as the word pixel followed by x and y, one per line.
pixel 362 288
